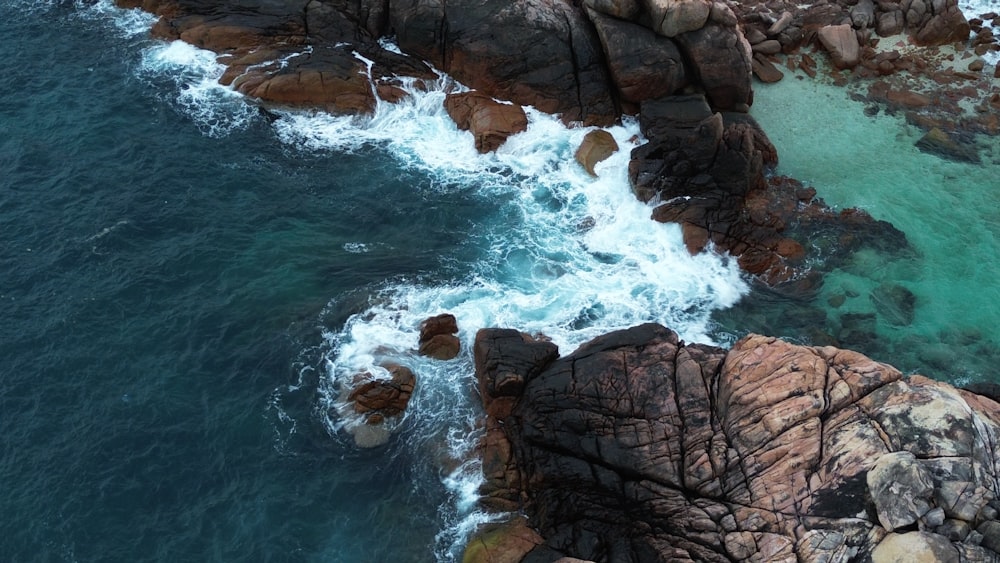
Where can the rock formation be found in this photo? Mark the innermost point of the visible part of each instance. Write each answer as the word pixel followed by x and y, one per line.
pixel 639 447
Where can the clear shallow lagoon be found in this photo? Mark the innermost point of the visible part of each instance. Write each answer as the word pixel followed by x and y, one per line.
pixel 185 283
pixel 949 211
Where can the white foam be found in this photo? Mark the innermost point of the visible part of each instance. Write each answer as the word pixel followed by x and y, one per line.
pixel 127 23
pixel 194 73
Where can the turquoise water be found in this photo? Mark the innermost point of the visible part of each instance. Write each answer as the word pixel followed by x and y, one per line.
pixel 949 211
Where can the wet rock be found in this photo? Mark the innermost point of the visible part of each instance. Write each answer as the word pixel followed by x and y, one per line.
pixel 490 122
pixel 504 543
pixel 536 52
pixel 437 337
pixel 942 144
pixel 386 396
pixel 596 146
pixel 896 304
pixel 841 43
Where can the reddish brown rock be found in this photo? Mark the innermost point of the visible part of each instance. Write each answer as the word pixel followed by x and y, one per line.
pixel 490 121
pixel 596 146
pixel 437 337
pixel 656 450
pixel 382 396
pixel 765 71
pixel 502 543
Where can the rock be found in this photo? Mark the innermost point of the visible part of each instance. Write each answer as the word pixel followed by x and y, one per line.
pixel 645 447
pixel 671 18
pixel 535 53
pixel 596 146
pixel 387 396
pixel 894 303
pixel 643 64
pixel 991 535
pixel 863 14
pixel 841 43
pixel 890 23
pixel 505 361
pixel 505 543
pixel 437 338
pixel 765 71
pixel 719 57
pixel 781 24
pixel 621 9
pixel 441 347
pixel 491 122
pixel 914 547
pixel 953 530
pixel 940 143
pixel 901 489
pixel 768 47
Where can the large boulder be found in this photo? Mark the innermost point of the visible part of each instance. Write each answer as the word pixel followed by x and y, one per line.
pixel 639 447
pixel 541 53
pixel 841 43
pixel 490 122
pixel 671 18
pixel 720 58
pixel 437 337
pixel 597 145
pixel 643 64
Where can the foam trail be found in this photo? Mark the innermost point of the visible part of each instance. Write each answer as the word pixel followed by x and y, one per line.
pixel 581 257
pixel 574 256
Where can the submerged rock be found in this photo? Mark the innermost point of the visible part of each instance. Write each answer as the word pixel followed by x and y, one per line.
pixel 896 304
pixel 942 144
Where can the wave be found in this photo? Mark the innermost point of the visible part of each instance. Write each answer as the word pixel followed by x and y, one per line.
pixel 568 256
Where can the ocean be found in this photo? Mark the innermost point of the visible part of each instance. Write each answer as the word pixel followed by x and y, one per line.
pixel 188 281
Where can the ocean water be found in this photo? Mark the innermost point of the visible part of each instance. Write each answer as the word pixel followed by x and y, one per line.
pixel 187 283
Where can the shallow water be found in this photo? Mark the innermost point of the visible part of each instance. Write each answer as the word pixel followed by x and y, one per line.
pixel 948 211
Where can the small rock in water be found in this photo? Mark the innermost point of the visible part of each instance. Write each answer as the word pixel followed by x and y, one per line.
pixel 596 146
pixel 437 337
pixel 895 303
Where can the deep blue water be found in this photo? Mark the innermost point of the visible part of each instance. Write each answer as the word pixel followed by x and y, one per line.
pixel 157 286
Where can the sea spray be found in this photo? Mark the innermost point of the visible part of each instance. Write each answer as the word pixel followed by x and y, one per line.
pixel 565 256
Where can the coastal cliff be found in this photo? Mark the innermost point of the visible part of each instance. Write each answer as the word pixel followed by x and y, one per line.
pixel 638 447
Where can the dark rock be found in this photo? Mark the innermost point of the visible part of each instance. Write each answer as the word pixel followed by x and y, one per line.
pixel 537 52
pixel 894 303
pixel 643 65
pixel 719 57
pixel 942 144
pixel 445 323
pixel 765 71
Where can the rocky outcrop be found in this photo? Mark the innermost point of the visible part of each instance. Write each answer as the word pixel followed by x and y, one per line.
pixel 639 447
pixel 375 399
pixel 437 337
pixel 489 121
pixel 596 146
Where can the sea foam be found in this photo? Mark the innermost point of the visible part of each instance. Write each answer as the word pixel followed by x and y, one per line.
pixel 571 256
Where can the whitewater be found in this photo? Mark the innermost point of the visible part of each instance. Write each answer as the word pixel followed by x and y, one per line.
pixel 546 249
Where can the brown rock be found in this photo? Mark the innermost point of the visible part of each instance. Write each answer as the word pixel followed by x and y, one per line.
pixel 491 122
pixel 674 17
pixel 765 71
pixel 596 146
pixel 504 543
pixel 841 43
pixel 441 347
pixel 384 396
pixel 768 47
pixel 445 323
pixel 720 59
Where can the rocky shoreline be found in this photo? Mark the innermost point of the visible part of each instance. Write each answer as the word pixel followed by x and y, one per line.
pixel 639 447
